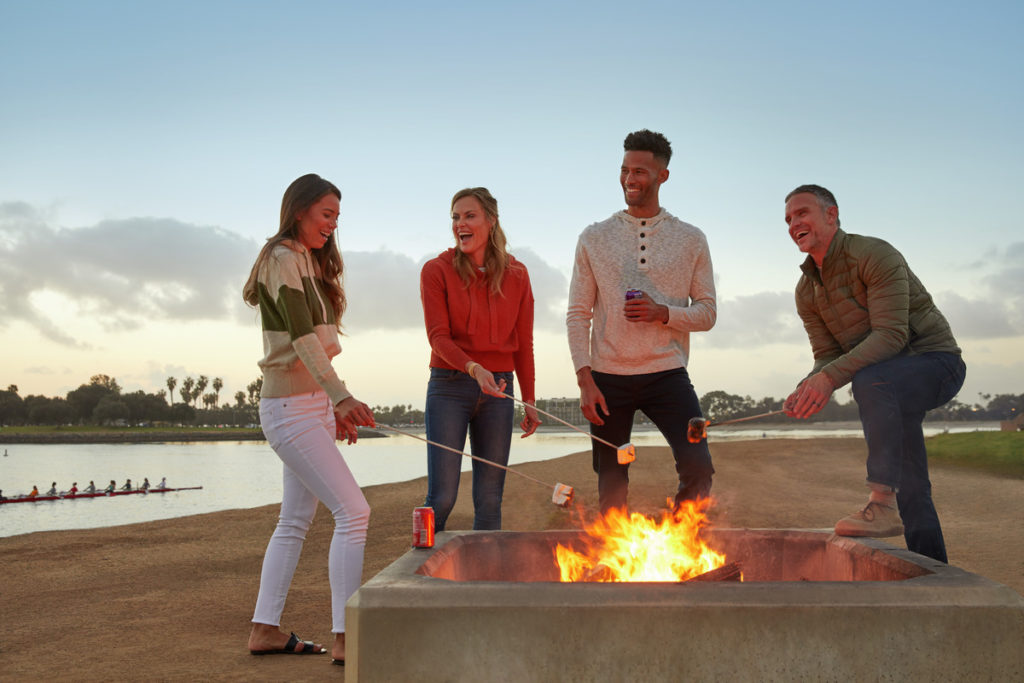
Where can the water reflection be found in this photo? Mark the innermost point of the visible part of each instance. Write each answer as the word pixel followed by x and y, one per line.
pixel 246 474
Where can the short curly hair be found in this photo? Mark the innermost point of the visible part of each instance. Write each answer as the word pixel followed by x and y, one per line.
pixel 649 141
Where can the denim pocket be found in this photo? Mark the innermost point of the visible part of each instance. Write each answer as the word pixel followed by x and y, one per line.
pixel 955 371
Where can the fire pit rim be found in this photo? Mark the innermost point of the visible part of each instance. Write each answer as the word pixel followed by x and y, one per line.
pixel 401 578
pixel 909 564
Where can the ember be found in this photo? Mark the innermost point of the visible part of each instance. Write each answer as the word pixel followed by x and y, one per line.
pixel 634 547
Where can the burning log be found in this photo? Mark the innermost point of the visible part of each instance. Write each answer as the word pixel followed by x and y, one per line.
pixel 727 572
pixel 599 573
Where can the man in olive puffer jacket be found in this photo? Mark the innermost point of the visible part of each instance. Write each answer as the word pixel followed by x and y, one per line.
pixel 871 322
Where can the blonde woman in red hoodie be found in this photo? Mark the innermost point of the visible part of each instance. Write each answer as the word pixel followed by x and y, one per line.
pixel 478 309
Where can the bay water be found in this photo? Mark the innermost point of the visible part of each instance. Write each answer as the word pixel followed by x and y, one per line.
pixel 247 474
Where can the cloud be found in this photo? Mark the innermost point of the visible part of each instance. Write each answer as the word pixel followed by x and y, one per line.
pixel 999 311
pixel 123 274
pixel 384 291
pixel 550 291
pixel 756 320
pixel 120 273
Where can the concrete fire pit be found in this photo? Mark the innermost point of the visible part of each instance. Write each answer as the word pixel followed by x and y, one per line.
pixel 487 606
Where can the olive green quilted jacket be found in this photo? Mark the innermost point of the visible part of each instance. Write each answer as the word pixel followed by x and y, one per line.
pixel 864 306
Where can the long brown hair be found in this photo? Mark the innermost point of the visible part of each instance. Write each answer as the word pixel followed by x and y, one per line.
pixel 303 193
pixel 496 256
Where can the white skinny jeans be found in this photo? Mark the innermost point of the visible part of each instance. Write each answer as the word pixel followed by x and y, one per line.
pixel 301 431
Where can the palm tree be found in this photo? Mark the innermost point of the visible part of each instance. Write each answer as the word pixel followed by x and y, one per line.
pixel 186 389
pixel 254 388
pixel 218 384
pixel 171 383
pixel 202 383
pixel 240 399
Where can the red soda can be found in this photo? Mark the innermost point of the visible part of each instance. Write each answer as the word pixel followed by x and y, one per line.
pixel 633 294
pixel 423 528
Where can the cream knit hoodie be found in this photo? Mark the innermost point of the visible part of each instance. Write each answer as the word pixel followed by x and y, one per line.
pixel 300 335
pixel 661 255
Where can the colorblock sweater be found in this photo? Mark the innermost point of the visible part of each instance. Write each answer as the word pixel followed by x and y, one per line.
pixel 300 334
pixel 864 306
pixel 471 324
pixel 661 255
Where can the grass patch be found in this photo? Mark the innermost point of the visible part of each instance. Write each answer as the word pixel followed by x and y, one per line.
pixel 996 452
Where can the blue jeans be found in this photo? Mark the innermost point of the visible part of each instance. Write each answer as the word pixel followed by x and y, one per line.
pixel 455 404
pixel 669 400
pixel 893 397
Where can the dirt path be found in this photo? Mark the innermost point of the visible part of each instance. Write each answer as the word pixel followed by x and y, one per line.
pixel 171 600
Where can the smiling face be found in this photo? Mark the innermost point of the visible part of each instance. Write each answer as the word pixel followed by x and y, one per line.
pixel 641 175
pixel 811 227
pixel 472 228
pixel 318 223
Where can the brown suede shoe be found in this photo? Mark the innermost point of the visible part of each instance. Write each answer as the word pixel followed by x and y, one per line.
pixel 875 520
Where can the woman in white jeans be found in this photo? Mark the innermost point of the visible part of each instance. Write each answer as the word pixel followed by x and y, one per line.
pixel 296 283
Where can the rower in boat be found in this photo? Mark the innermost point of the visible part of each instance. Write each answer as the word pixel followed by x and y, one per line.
pixel 53 489
pixel 91 488
pixel 34 492
pixel 2 496
pixel 73 490
pixel 111 487
pixel 145 484
pixel 127 485
pixel 163 483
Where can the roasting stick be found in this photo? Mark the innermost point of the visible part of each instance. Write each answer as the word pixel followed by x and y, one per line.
pixel 625 453
pixel 697 428
pixel 562 492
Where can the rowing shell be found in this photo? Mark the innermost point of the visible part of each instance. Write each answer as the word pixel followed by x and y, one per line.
pixel 102 494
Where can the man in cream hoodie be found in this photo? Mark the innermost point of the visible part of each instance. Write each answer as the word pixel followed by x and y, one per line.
pixel 632 354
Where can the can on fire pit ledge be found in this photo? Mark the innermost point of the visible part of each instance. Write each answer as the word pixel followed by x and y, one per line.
pixel 423 528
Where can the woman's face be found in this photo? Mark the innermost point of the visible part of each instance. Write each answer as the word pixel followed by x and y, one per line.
pixel 318 222
pixel 472 228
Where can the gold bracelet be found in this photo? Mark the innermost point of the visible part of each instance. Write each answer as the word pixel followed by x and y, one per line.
pixel 472 365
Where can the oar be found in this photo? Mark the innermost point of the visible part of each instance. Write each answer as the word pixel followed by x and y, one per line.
pixel 625 453
pixel 562 495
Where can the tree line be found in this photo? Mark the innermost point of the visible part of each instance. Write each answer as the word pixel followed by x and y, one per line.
pixel 102 402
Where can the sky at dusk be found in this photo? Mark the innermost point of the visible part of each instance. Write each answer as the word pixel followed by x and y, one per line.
pixel 144 149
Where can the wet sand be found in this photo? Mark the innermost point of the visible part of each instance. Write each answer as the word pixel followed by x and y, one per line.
pixel 172 599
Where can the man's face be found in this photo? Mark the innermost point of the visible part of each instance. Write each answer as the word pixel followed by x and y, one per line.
pixel 810 226
pixel 641 176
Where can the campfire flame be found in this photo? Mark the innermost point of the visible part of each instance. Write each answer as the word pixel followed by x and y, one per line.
pixel 624 546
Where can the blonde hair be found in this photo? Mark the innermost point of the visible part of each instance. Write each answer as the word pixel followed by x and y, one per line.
pixel 496 256
pixel 303 193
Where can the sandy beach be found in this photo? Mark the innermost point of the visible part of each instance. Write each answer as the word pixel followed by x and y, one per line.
pixel 171 600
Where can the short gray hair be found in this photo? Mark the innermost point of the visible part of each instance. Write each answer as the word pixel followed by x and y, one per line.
pixel 825 198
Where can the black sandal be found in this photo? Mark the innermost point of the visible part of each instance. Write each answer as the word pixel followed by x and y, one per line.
pixel 308 648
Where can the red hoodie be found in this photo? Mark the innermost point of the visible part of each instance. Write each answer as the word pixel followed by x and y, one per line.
pixel 471 324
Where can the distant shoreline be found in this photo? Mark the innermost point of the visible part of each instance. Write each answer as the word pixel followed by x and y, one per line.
pixel 129 435
pixel 145 435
